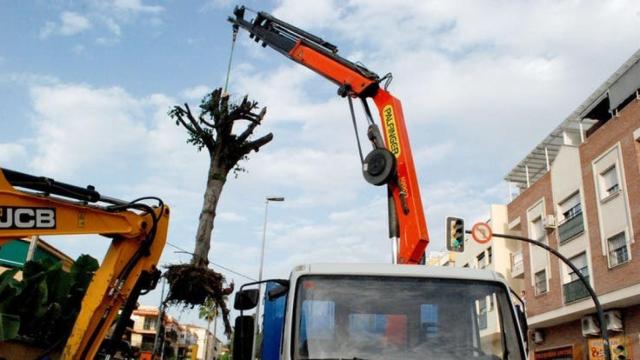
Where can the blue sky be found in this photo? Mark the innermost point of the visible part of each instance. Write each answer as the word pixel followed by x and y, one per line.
pixel 85 87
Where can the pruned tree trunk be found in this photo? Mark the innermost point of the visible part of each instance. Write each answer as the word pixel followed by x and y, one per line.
pixel 215 182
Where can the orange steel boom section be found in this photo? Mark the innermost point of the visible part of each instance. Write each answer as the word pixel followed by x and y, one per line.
pixel 414 236
pixel 329 68
pixel 356 81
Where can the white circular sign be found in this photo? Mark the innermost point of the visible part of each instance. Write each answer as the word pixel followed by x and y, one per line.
pixel 481 233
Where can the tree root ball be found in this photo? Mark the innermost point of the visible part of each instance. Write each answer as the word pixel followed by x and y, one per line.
pixel 190 285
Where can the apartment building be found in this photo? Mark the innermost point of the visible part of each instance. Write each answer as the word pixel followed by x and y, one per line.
pixel 180 341
pixel 209 346
pixel 579 192
pixel 440 258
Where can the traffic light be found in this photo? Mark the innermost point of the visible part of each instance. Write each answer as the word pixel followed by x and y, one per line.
pixel 455 234
pixel 620 352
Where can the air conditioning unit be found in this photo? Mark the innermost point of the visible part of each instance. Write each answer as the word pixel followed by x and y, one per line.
pixel 590 326
pixel 538 337
pixel 549 222
pixel 613 319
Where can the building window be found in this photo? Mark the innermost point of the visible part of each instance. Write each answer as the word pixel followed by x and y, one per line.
pixel 537 230
pixel 482 263
pixel 609 184
pixel 149 323
pixel 580 262
pixel 618 252
pixel 571 207
pixel 572 222
pixel 541 282
pixel 574 289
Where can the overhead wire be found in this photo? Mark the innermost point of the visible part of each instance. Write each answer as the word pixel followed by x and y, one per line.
pixel 213 263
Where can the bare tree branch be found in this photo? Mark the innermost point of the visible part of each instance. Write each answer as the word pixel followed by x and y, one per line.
pixel 255 145
pixel 192 120
pixel 249 130
pixel 202 120
pixel 206 137
pixel 178 112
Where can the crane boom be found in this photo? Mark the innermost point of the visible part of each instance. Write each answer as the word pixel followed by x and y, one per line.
pixel 356 81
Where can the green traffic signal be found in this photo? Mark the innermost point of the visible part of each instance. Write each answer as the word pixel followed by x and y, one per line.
pixel 455 234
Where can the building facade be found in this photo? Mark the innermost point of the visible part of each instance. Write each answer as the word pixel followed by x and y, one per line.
pixel 580 194
pixel 209 347
pixel 179 341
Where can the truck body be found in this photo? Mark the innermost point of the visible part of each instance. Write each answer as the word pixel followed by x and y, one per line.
pixel 374 311
pixel 387 311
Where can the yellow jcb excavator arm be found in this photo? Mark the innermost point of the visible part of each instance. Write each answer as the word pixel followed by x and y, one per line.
pixel 138 231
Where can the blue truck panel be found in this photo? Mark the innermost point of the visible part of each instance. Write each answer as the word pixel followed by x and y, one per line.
pixel 273 323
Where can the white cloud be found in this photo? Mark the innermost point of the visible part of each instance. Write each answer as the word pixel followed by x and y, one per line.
pixel 11 154
pixel 78 49
pixel 136 6
pixel 113 26
pixel 48 29
pixel 195 92
pixel 230 217
pixel 212 5
pixel 430 154
pixel 109 15
pixel 77 126
pixel 71 23
pixel 28 79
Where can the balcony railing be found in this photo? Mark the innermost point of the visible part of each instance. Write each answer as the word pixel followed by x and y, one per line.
pixel 570 228
pixel 575 290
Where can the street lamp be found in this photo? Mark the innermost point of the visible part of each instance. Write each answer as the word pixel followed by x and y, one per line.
pixel 264 238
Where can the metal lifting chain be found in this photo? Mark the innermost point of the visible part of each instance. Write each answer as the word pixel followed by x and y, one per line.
pixel 233 45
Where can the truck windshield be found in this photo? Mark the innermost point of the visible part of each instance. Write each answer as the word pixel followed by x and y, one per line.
pixel 364 317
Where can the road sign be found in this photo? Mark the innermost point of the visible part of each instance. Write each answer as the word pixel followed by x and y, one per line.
pixel 481 233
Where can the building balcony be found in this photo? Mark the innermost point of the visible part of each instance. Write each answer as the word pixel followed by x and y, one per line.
pixel 570 228
pixel 517 265
pixel 574 291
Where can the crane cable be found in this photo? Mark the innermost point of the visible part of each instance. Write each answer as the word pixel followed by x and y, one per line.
pixel 355 128
pixel 234 37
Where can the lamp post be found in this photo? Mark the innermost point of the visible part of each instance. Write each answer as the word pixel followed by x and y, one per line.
pixel 264 238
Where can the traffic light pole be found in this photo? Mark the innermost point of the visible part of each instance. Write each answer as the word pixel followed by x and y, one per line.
pixel 585 282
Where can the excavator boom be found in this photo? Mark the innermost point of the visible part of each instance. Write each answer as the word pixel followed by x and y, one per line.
pixel 407 221
pixel 33 206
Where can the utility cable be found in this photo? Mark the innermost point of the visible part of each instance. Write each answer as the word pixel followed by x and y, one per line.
pixel 212 263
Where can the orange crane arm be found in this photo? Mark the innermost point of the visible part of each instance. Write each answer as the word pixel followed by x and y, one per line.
pixel 407 220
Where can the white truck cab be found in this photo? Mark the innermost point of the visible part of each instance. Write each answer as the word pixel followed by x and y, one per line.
pixel 384 311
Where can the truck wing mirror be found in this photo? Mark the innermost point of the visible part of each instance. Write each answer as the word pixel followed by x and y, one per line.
pixel 243 338
pixel 278 291
pixel 246 299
